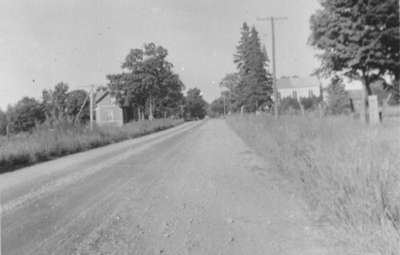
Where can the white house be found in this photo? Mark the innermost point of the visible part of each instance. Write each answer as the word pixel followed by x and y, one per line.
pixel 298 87
pixel 108 112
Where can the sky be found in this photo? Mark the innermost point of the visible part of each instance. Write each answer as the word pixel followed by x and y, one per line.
pixel 44 42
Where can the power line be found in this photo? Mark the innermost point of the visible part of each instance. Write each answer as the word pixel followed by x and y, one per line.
pixel 274 85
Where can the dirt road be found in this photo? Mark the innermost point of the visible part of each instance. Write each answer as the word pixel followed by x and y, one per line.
pixel 194 189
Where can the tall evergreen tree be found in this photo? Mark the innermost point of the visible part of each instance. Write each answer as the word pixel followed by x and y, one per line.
pixel 242 50
pixel 255 84
pixel 264 50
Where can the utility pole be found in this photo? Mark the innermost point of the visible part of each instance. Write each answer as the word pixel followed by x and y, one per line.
pixel 274 86
pixel 91 95
pixel 229 103
pixel 224 106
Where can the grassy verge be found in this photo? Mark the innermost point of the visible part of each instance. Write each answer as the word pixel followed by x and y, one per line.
pixel 45 144
pixel 349 173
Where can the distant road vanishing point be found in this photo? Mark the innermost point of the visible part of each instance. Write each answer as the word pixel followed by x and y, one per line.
pixel 193 189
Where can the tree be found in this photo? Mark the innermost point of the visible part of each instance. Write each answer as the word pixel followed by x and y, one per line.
pixel 147 82
pixel 25 115
pixel 3 123
pixel 231 82
pixel 358 38
pixel 265 53
pixel 171 99
pixel 255 86
pixel 338 99
pixel 77 102
pixel 216 107
pixel 195 106
pixel 54 102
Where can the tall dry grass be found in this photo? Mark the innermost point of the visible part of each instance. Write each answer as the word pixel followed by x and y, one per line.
pixel 349 173
pixel 47 143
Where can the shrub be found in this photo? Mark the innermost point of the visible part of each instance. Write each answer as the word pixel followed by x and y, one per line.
pixel 310 103
pixel 338 99
pixel 289 105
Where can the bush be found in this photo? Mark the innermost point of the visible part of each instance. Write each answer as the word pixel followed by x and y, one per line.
pixel 289 105
pixel 310 103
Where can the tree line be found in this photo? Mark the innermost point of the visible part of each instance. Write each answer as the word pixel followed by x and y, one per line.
pixel 147 88
pixel 55 106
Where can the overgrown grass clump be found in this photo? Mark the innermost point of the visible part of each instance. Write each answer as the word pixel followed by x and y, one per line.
pixel 349 173
pixel 47 143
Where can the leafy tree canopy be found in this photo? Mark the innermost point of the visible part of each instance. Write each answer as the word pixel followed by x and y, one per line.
pixel 54 102
pixel 231 82
pixel 195 105
pixel 25 115
pixel 77 103
pixel 216 107
pixel 147 80
pixel 358 38
pixel 3 123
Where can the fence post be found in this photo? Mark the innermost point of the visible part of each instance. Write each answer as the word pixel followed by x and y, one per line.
pixel 373 110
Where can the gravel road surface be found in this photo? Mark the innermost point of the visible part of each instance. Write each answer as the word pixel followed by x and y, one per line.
pixel 193 189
